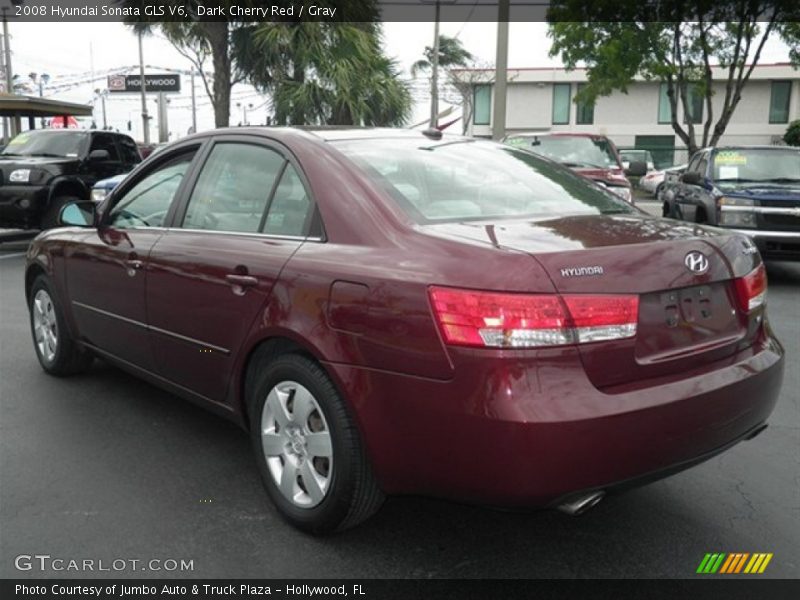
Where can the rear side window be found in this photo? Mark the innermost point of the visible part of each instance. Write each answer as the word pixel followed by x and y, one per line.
pixel 290 207
pixel 469 180
pixel 233 189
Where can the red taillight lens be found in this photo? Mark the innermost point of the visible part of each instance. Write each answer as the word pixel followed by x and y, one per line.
pixel 500 320
pixel 751 290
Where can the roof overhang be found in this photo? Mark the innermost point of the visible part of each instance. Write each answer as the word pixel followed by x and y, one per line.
pixel 12 105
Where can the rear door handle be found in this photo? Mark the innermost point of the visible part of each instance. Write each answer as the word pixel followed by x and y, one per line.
pixel 134 264
pixel 241 280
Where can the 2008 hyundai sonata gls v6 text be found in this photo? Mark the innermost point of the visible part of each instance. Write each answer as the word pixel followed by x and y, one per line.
pixel 388 312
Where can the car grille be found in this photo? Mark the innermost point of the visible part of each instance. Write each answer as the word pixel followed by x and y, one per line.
pixel 782 222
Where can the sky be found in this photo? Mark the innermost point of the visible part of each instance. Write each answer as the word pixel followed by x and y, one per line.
pixel 75 51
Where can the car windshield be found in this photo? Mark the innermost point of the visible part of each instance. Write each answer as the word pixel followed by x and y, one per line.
pixel 757 165
pixel 580 152
pixel 47 143
pixel 473 180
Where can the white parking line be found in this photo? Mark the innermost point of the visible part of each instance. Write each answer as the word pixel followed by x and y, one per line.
pixel 15 255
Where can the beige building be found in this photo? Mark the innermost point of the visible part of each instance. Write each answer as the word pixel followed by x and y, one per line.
pixel 542 99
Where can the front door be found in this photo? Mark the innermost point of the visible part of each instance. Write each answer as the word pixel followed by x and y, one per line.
pixel 107 269
pixel 212 273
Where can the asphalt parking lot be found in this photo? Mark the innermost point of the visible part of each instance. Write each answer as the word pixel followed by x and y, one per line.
pixel 104 466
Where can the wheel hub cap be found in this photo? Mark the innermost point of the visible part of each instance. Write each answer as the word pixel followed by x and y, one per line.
pixel 45 326
pixel 297 445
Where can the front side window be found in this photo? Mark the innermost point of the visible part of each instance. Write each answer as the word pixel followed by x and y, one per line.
pixel 482 104
pixel 233 188
pixel 561 100
pixel 103 141
pixel 146 204
pixel 474 181
pixel 779 101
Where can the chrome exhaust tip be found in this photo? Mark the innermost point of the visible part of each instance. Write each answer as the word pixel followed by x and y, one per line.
pixel 580 504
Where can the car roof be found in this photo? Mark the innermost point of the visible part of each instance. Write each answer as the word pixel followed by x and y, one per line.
pixel 594 136
pixel 328 134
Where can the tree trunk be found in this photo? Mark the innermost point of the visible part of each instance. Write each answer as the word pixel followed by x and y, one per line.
pixel 218 37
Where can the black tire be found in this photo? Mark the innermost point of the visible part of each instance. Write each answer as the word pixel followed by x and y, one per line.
pixel 352 494
pixel 657 193
pixel 51 213
pixel 69 357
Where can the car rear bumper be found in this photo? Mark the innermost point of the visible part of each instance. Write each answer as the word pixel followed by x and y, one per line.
pixel 775 244
pixel 524 433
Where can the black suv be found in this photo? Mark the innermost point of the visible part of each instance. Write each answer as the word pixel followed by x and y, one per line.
pixel 752 189
pixel 42 170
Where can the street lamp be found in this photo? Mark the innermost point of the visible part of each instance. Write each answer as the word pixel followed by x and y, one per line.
pixel 98 93
pixel 435 62
pixel 244 108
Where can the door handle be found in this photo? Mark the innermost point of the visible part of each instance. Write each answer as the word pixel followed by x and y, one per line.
pixel 134 264
pixel 241 280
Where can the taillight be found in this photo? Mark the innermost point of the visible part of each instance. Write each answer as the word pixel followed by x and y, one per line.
pixel 503 320
pixel 751 290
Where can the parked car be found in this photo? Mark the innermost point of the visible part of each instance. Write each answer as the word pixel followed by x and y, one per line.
pixel 392 312
pixel 45 169
pixel 653 181
pixel 752 189
pixel 629 156
pixel 593 156
pixel 102 188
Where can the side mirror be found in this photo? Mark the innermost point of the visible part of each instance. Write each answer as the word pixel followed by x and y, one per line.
pixel 692 178
pixel 78 214
pixel 636 168
pixel 99 155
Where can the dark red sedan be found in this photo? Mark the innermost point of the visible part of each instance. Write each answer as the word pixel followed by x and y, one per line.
pixel 388 312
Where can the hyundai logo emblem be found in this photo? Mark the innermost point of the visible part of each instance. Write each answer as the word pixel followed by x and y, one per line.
pixel 696 262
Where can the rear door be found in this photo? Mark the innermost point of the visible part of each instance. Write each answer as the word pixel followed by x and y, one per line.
pixel 211 274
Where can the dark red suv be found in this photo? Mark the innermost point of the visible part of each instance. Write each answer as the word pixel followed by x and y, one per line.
pixel 592 155
pixel 388 312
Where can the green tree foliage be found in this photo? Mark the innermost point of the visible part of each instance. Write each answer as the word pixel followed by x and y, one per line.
pixel 451 54
pixel 792 136
pixel 676 43
pixel 207 38
pixel 324 73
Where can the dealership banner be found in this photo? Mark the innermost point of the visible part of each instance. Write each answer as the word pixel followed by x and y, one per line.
pixel 360 11
pixel 400 589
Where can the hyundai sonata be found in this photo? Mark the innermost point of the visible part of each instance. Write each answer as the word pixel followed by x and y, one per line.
pixel 394 312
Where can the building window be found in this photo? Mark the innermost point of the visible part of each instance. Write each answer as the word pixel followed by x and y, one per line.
pixel 695 98
pixel 584 112
pixel 779 101
pixel 664 108
pixel 561 100
pixel 481 104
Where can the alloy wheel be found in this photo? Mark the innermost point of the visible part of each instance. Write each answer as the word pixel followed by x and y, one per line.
pixel 296 442
pixel 45 326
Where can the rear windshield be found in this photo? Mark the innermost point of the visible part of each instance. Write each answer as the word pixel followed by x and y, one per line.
pixel 757 165
pixel 473 180
pixel 575 152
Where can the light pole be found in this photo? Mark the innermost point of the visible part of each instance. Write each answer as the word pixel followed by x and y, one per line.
pixel 501 72
pixel 244 108
pixel 435 64
pixel 102 95
pixel 145 116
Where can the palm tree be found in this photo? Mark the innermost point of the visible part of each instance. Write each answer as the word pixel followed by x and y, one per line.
pixel 325 73
pixel 451 54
